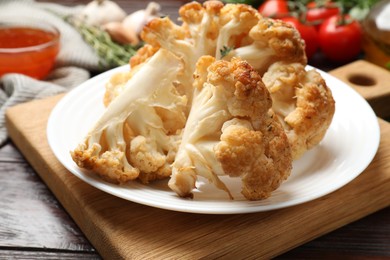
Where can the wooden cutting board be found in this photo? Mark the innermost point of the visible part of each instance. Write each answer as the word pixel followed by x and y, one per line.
pixel 120 229
pixel 370 81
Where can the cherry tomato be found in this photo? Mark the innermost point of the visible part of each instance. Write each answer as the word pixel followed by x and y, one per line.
pixel 318 13
pixel 340 42
pixel 308 33
pixel 274 8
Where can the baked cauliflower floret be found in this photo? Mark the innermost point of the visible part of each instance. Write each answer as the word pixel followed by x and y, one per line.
pixel 143 54
pixel 231 131
pixel 194 104
pixel 137 135
pixel 206 30
pixel 273 40
pixel 162 32
pixel 115 85
pixel 222 31
pixel 235 22
pixel 303 103
pixel 201 24
pixel 226 31
pixel 118 81
pixel 194 38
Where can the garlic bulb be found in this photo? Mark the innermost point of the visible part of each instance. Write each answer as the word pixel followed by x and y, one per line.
pixel 118 33
pixel 100 12
pixel 137 20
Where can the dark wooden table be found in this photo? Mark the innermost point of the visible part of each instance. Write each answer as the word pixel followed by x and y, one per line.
pixel 33 224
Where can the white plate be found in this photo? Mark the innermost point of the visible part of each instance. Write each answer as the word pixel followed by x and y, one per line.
pixel 348 147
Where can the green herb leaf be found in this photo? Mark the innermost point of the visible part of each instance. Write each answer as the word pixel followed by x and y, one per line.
pixel 225 51
pixel 111 54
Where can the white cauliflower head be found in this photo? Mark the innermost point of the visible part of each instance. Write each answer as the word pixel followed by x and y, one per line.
pixel 194 104
pixel 303 103
pixel 272 41
pixel 230 131
pixel 221 31
pixel 226 31
pixel 137 136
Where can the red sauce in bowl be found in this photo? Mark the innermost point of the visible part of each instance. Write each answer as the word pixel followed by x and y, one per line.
pixel 30 51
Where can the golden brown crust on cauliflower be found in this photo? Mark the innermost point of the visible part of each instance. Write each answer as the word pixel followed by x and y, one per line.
pixel 162 173
pixel 109 166
pixel 130 139
pixel 143 54
pixel 302 101
pixel 282 37
pixel 225 31
pixel 192 13
pixel 213 7
pixel 272 41
pixel 231 131
pixel 162 28
pixel 261 158
pixel 248 96
pixel 244 17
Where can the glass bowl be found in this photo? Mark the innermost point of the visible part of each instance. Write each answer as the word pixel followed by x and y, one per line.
pixel 28 46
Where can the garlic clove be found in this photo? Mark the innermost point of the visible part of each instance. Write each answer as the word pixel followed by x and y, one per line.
pixel 137 20
pixel 119 34
pixel 153 9
pixel 100 12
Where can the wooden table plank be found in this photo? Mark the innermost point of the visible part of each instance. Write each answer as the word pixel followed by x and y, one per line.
pixel 30 215
pixel 33 223
pixel 8 153
pixel 368 237
pixel 53 255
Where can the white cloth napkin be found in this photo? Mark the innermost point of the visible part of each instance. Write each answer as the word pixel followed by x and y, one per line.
pixel 74 60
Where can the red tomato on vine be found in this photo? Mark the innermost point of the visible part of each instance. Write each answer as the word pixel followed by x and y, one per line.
pixel 274 8
pixel 317 13
pixel 340 38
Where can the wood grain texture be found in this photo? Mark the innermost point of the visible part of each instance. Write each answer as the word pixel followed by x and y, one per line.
pixel 30 215
pixel 368 237
pixel 33 224
pixel 8 154
pixel 352 241
pixel 122 229
pixel 52 255
pixel 370 81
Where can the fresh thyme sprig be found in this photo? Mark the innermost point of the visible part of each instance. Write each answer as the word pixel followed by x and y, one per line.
pixel 111 54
